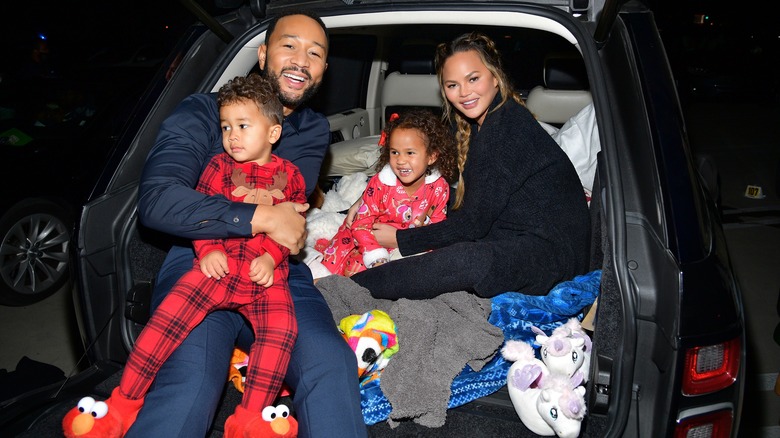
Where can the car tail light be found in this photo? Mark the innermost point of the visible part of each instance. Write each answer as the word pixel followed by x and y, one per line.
pixel 711 368
pixel 712 425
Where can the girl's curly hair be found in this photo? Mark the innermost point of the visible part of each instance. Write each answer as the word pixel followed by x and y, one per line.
pixel 439 139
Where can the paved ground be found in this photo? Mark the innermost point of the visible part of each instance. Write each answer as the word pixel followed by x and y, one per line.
pixel 45 332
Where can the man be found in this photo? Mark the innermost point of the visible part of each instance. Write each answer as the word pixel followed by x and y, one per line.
pixel 322 368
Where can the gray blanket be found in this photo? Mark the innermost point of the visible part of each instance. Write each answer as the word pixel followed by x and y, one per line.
pixel 436 338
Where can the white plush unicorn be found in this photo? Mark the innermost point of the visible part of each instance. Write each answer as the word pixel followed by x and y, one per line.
pixel 547 404
pixel 567 350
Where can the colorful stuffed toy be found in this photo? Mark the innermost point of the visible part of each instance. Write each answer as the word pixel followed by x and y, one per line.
pixel 373 338
pixel 237 372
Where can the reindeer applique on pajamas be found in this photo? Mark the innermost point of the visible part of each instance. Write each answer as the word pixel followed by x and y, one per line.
pixel 269 310
pixel 384 200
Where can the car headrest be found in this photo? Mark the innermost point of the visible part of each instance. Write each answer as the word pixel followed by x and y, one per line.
pixel 417 66
pixel 564 93
pixel 417 59
pixel 565 74
pixel 403 91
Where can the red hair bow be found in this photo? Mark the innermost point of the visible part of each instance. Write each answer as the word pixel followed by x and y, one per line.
pixel 383 137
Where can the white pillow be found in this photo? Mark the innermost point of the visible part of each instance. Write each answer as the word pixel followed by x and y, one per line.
pixel 579 138
pixel 352 156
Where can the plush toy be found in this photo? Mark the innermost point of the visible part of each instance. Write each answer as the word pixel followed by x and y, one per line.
pixel 567 350
pixel 277 420
pixel 573 328
pixel 547 404
pixel 97 419
pixel 87 420
pixel 373 338
pixel 237 371
pixel 323 223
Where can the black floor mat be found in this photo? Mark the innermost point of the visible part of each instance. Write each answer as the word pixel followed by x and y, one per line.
pixel 29 375
pixel 491 416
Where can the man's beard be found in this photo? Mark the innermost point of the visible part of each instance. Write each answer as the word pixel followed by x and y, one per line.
pixel 288 100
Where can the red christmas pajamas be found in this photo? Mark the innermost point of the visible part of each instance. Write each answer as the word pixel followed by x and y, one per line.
pixel 384 201
pixel 269 310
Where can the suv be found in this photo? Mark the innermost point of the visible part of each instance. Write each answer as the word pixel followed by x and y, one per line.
pixel 669 340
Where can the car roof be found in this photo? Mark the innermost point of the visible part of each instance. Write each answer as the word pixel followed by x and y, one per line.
pixel 589 10
pixel 600 13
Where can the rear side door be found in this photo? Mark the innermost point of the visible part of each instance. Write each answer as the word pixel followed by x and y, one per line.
pixel 110 263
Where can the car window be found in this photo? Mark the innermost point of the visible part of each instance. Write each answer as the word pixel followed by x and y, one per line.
pixel 346 81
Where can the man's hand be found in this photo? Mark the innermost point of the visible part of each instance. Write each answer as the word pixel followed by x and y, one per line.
pixel 283 223
pixel 385 235
pixel 261 270
pixel 214 265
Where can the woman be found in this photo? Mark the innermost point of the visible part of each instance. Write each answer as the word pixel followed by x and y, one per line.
pixel 519 220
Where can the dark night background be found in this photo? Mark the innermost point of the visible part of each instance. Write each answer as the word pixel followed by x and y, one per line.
pixel 66 64
pixel 730 46
pixel 71 73
pixel 102 50
pixel 78 30
pixel 100 56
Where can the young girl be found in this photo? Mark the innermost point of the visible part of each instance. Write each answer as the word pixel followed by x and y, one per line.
pixel 410 189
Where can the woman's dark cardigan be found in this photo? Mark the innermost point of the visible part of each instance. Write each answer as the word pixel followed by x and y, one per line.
pixel 524 224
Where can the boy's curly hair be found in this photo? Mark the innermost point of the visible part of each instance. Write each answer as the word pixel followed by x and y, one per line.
pixel 440 140
pixel 256 88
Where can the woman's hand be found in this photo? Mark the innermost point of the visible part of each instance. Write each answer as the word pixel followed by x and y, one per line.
pixel 385 235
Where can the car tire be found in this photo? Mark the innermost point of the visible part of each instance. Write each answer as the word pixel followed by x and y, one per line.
pixel 34 251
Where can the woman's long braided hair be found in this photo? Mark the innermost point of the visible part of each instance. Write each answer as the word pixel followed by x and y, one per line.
pixel 491 57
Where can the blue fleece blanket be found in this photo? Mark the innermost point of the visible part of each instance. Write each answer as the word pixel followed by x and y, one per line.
pixel 514 313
